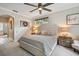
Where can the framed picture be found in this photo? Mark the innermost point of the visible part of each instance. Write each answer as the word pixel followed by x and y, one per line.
pixel 23 23
pixel 72 19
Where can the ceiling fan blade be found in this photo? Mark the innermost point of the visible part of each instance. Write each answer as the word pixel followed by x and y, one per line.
pixel 47 4
pixel 30 4
pixel 40 11
pixel 47 9
pixel 33 9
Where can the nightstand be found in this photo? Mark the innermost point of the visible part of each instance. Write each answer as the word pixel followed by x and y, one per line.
pixel 65 41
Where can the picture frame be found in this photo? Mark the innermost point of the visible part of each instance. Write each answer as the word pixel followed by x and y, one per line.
pixel 72 19
pixel 23 23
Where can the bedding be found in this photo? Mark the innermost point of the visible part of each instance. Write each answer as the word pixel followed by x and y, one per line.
pixel 31 48
pixel 3 40
pixel 43 45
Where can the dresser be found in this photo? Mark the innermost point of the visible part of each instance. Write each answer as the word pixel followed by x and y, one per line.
pixel 65 41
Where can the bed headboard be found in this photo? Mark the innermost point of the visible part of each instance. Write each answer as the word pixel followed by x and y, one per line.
pixel 51 29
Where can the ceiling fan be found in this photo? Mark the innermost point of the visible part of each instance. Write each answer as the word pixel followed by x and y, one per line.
pixel 40 7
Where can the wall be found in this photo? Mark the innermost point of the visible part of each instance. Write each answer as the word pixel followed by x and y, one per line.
pixel 17 19
pixel 60 18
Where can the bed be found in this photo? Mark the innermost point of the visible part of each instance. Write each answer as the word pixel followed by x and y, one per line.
pixel 38 45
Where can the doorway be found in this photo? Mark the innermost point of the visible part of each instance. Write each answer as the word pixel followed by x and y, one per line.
pixel 7 27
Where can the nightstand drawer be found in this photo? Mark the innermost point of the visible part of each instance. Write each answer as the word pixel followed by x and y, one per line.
pixel 65 41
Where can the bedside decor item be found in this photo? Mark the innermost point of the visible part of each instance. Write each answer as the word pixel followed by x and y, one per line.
pixel 63 30
pixel 23 23
pixel 35 29
pixel 72 19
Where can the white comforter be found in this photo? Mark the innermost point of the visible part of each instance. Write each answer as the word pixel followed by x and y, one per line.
pixel 3 41
pixel 48 41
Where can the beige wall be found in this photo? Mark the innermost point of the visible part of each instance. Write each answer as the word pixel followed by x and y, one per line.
pixel 60 18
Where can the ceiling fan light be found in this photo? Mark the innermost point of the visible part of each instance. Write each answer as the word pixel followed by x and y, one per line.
pixel 40 9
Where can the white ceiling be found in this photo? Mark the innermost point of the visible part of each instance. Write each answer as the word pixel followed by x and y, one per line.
pixel 24 9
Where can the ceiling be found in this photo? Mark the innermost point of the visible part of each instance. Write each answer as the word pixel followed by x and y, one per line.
pixel 24 9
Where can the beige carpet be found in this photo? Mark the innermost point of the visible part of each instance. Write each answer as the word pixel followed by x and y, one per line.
pixel 58 51
pixel 16 51
pixel 12 49
pixel 62 51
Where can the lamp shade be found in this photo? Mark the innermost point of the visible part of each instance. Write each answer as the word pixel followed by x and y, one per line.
pixel 63 30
